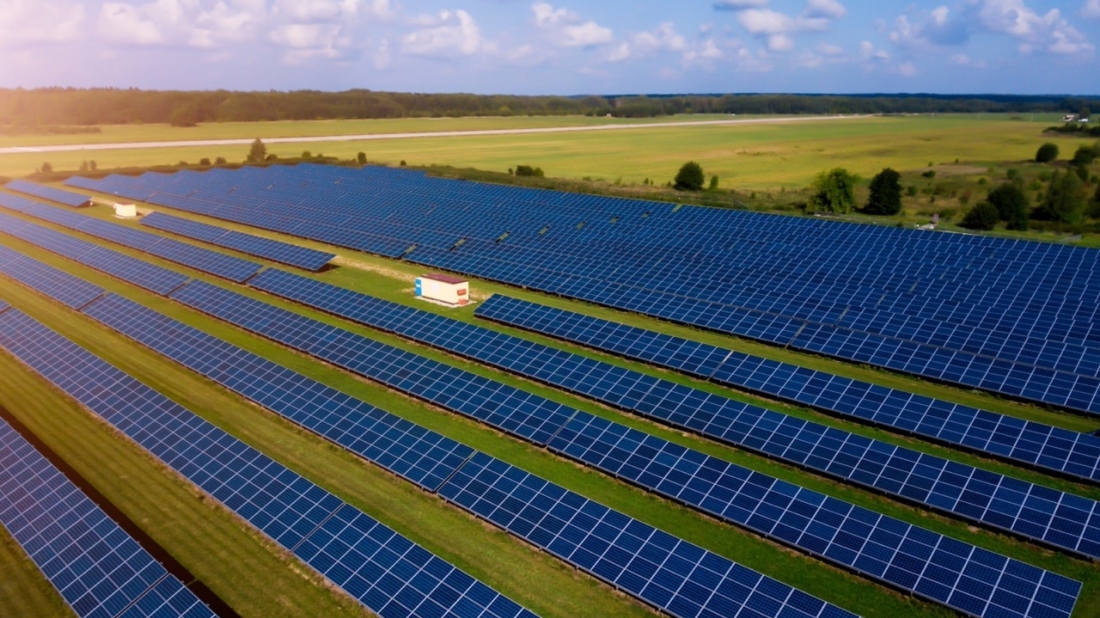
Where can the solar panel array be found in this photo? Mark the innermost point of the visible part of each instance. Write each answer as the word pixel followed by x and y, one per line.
pixel 386 572
pixel 1033 511
pixel 547 423
pixel 205 260
pixel 1009 316
pixel 285 253
pixel 433 462
pixel 65 288
pixel 99 569
pixel 60 196
pixel 130 269
pixel 1059 450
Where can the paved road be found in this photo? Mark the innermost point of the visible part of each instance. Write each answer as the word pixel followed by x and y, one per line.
pixel 381 136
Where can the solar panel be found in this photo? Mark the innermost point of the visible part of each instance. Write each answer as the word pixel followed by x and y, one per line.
pixel 664 571
pixel 285 506
pixel 468 394
pixel 205 260
pixel 59 285
pixel 1034 444
pixel 94 564
pixel 60 196
pixel 274 250
pixel 1032 511
pixel 409 450
pixel 153 278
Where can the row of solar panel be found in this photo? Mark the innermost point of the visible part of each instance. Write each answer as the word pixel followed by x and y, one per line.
pixel 1028 442
pixel 529 426
pixel 729 492
pixel 627 554
pixel 205 260
pixel 386 572
pixel 99 569
pixel 60 196
pixel 274 250
pixel 428 459
pixel 1032 511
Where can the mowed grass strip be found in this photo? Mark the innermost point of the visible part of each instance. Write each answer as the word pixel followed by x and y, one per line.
pixel 699 529
pixel 24 590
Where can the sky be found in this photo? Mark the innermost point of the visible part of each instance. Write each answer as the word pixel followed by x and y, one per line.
pixel 563 47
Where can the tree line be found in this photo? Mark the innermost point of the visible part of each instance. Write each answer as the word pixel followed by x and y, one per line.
pixel 86 107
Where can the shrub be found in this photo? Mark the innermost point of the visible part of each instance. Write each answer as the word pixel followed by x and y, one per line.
pixel 1082 172
pixel 885 196
pixel 713 183
pixel 362 158
pixel 92 165
pixel 1011 204
pixel 929 173
pixel 983 216
pixel 220 161
pixel 911 190
pixel 271 157
pixel 690 177
pixel 527 170
pixel 307 154
pixel 186 116
pixel 257 151
pixel 835 191
pixel 1065 200
pixel 204 162
pixel 1085 155
pixel 1046 153
pixel 46 168
pixel 403 164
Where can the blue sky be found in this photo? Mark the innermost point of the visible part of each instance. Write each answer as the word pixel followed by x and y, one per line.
pixel 555 46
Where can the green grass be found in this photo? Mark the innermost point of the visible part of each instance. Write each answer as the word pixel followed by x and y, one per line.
pixel 24 591
pixel 826 582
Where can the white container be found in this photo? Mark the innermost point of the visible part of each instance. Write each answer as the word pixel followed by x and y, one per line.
pixel 126 211
pixel 444 288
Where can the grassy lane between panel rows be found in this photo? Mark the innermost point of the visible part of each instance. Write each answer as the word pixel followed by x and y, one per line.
pixel 24 590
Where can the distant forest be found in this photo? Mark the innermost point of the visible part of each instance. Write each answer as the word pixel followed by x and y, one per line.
pixel 74 107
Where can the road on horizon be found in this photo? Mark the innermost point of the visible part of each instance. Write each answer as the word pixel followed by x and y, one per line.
pixel 382 136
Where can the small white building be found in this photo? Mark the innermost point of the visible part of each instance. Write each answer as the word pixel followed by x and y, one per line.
pixel 446 289
pixel 125 211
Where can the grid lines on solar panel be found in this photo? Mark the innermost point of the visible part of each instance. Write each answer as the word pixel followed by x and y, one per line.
pixel 59 285
pixel 1045 446
pixel 272 384
pixel 285 253
pixel 279 502
pixel 666 572
pixel 94 564
pixel 60 196
pixel 1032 511
pixel 228 267
pixel 735 272
pixel 130 269
pixel 274 323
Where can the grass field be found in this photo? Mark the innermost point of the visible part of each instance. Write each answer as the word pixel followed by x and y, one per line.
pixel 536 580
pixel 748 157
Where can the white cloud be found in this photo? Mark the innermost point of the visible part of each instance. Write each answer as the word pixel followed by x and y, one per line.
pixel 308 42
pixel 1035 33
pixel 566 29
pixel 458 35
pixel 777 28
pixel 138 25
pixel 825 8
pixel 966 61
pixel 737 5
pixel 907 69
pixel 39 21
pixel 868 52
pixel 383 59
pixel 664 38
pixel 827 49
pixel 1091 10
pixel 227 23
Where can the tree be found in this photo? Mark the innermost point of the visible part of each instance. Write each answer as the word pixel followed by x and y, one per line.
pixel 306 154
pixel 83 166
pixel 258 151
pixel 204 162
pixel 713 183
pixel 834 191
pixel 983 216
pixel 1046 153
pixel 220 161
pixel 690 177
pixel 186 116
pixel 1085 155
pixel 527 170
pixel 885 196
pixel 1065 200
pixel 46 168
pixel 362 158
pixel 1011 204
pixel 92 165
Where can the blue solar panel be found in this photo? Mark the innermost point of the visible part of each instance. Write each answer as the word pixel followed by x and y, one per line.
pixel 662 570
pixel 279 502
pixel 208 261
pixel 1031 443
pixel 130 269
pixel 1029 510
pixel 94 564
pixel 57 284
pixel 967 301
pixel 60 196
pixel 274 250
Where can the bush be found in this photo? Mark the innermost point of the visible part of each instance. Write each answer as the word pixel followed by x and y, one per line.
pixel 1011 204
pixel 362 158
pixel 1082 173
pixel 92 165
pixel 911 190
pixel 1085 155
pixel 834 191
pixel 929 173
pixel 257 151
pixel 46 168
pixel 220 161
pixel 1046 153
pixel 1064 202
pixel 983 216
pixel 186 116
pixel 527 170
pixel 307 154
pixel 885 196
pixel 713 183
pixel 403 164
pixel 690 177
pixel 204 162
